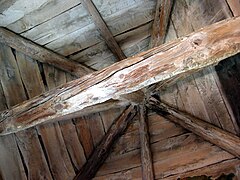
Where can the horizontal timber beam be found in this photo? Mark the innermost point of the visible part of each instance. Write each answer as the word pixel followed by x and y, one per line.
pixel 206 47
pixel 102 151
pixel 42 54
pixel 213 134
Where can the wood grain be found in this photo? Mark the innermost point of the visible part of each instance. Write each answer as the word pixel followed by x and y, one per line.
pixel 104 30
pixel 206 47
pixel 42 54
pixel 161 21
pixel 215 135
pixel 146 156
pixel 103 149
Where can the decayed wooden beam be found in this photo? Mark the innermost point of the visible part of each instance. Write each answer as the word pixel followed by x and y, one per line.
pixel 102 151
pixel 42 54
pixel 146 156
pixel 207 131
pixel 161 21
pixel 193 52
pixel 104 30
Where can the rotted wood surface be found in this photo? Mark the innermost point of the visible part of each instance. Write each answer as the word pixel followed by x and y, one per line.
pixel 207 131
pixel 146 156
pixel 104 30
pixel 104 148
pixel 206 47
pixel 42 54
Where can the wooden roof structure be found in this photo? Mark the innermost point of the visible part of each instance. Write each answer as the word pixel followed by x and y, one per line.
pixel 131 89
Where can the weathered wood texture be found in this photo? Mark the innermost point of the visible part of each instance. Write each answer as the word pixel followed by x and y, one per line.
pixel 103 149
pixel 228 73
pixel 200 93
pixel 146 156
pixel 215 135
pixel 234 6
pixel 42 54
pixel 161 21
pixel 200 49
pixel 176 153
pixel 27 143
pixel 104 30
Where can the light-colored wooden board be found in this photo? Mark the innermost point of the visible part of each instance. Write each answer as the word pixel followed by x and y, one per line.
pixel 89 35
pixel 131 42
pixel 18 9
pixel 75 19
pixel 42 14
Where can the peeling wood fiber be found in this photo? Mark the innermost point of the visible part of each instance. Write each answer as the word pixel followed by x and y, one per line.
pixel 206 47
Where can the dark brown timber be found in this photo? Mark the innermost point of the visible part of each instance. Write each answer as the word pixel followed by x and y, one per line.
pixel 206 47
pixel 161 21
pixel 104 30
pixel 146 157
pixel 102 151
pixel 42 54
pixel 207 131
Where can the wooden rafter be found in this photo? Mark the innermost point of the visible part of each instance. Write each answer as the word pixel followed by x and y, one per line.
pixel 146 156
pixel 207 131
pixel 42 54
pixel 104 30
pixel 206 47
pixel 161 21
pixel 102 151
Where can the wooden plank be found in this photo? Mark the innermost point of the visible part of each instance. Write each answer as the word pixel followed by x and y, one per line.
pixel 41 15
pixel 104 30
pixel 34 86
pixel 234 6
pixel 27 142
pixel 146 156
pixel 200 49
pixel 136 15
pixel 213 134
pixel 42 54
pixel 103 149
pixel 71 20
pixel 131 42
pixel 17 8
pixel 161 21
pixel 54 78
pixel 227 73
pixel 84 135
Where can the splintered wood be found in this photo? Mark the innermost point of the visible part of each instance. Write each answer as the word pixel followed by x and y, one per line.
pixel 206 47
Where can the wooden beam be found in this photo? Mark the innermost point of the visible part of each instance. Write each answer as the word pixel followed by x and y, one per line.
pixel 102 151
pixel 42 54
pixel 206 47
pixel 104 30
pixel 234 5
pixel 161 21
pixel 146 156
pixel 207 131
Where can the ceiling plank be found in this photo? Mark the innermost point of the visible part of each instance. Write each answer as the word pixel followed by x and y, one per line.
pixel 102 151
pixel 207 131
pixel 200 49
pixel 104 30
pixel 146 156
pixel 161 21
pixel 42 54
pixel 234 6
